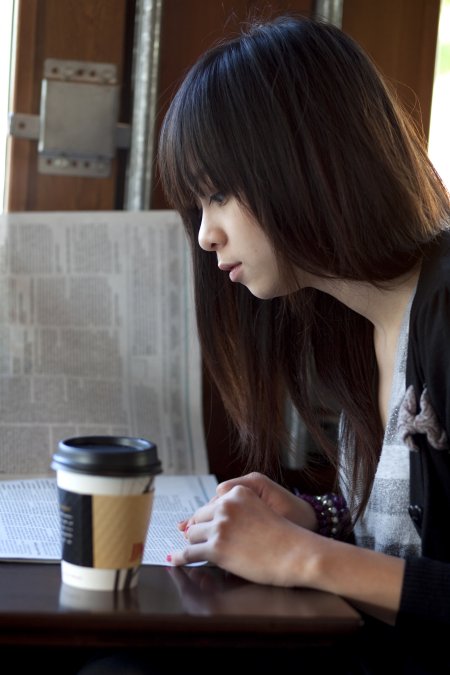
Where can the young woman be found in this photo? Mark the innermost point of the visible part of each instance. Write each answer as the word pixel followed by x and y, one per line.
pixel 321 247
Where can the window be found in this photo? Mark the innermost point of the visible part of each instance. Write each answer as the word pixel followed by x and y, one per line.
pixel 439 137
pixel 6 42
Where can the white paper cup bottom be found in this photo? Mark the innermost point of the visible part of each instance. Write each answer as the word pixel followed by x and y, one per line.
pixel 71 597
pixel 105 523
pixel 96 579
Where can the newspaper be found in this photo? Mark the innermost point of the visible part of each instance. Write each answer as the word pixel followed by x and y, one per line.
pixel 30 519
pixel 97 336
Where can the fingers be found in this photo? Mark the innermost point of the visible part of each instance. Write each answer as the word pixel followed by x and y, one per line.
pixel 202 528
pixel 255 481
pixel 196 530
pixel 198 533
pixel 191 554
pixel 183 525
pixel 203 515
pixel 195 550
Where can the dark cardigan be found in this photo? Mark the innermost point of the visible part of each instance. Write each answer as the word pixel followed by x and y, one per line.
pixel 418 644
pixel 425 599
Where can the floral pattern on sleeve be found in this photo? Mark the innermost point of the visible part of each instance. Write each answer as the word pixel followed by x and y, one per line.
pixel 423 422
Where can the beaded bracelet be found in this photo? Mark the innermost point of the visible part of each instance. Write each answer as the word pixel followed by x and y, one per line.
pixel 332 512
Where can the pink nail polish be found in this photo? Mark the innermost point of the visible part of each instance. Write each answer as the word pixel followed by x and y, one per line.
pixel 169 557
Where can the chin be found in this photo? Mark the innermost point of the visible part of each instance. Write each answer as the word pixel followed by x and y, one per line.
pixel 274 287
pixel 265 294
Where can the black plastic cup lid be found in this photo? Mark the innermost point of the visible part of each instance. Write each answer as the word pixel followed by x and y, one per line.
pixel 107 456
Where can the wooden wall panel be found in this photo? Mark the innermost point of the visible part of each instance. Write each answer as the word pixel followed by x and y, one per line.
pixel 69 29
pixel 401 37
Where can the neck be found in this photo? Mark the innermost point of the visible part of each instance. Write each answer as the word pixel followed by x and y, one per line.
pixel 383 307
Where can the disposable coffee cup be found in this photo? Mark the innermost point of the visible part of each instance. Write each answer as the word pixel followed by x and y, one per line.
pixel 105 493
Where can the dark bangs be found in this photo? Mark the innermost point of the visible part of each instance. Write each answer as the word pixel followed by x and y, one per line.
pixel 197 153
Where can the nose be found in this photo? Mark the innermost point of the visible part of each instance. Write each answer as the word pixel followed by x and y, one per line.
pixel 210 236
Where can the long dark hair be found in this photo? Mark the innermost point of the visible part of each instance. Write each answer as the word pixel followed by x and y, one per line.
pixel 292 119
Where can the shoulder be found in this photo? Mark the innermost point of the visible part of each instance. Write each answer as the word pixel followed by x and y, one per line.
pixel 428 362
pixel 431 306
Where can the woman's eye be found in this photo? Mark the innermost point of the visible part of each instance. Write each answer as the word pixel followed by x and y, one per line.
pixel 218 198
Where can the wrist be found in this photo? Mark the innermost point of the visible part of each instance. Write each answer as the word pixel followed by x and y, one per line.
pixel 331 512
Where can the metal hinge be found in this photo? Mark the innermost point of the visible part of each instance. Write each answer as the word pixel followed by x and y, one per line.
pixel 77 129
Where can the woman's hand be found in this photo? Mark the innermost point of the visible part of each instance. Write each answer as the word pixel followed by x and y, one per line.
pixel 253 529
pixel 241 531
pixel 277 498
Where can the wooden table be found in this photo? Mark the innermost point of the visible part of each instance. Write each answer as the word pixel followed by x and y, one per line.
pixel 171 609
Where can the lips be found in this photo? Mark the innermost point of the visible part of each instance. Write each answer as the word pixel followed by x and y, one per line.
pixel 227 268
pixel 233 270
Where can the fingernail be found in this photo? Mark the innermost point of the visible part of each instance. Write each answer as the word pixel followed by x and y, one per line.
pixel 169 557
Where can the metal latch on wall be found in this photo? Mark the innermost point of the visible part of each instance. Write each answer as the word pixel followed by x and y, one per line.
pixel 77 129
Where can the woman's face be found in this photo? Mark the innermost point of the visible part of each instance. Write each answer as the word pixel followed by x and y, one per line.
pixel 242 247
